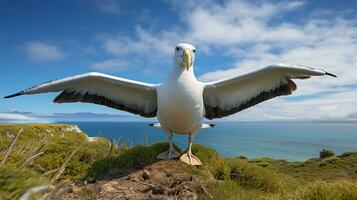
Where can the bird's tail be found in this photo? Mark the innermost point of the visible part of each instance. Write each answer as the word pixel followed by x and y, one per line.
pixel 204 125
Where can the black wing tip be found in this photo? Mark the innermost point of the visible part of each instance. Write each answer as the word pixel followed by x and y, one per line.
pixel 333 75
pixel 15 95
pixel 152 124
pixel 212 125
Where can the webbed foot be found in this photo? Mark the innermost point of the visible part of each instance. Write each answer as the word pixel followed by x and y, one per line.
pixel 169 154
pixel 190 159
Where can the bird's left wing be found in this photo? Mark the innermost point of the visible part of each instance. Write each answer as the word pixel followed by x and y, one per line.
pixel 119 93
pixel 229 96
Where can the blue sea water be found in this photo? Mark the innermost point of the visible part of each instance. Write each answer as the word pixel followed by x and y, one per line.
pixel 294 141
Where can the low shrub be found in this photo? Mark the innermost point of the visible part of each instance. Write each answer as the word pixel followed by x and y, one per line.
pixel 326 153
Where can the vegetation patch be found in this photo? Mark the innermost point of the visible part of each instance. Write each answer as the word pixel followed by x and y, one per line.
pixel 326 153
pixel 124 160
pixel 322 190
pixel 14 181
pixel 66 159
pixel 248 175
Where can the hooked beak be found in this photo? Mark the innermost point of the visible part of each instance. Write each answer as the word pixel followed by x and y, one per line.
pixel 187 58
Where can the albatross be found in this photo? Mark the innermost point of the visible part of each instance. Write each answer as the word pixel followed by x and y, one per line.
pixel 181 102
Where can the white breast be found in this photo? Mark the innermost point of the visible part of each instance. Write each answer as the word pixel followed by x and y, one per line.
pixel 180 104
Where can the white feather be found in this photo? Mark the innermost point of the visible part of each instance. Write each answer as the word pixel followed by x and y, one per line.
pixel 227 94
pixel 131 94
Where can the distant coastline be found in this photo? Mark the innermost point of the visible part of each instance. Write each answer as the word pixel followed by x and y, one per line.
pixel 293 141
pixel 289 140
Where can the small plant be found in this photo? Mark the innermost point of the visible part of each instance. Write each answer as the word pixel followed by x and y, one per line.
pixel 251 176
pixel 88 193
pixel 247 175
pixel 221 170
pixel 326 153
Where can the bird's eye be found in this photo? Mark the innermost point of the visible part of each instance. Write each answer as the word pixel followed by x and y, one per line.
pixel 194 51
pixel 177 49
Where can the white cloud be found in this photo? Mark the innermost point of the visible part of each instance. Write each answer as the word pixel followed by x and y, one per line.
pixel 90 50
pixel 27 117
pixel 41 51
pixel 238 22
pixel 208 24
pixel 294 5
pixel 257 35
pixel 109 6
pixel 111 65
pixel 144 48
pixel 10 117
pixel 145 43
pixel 327 44
pixel 332 46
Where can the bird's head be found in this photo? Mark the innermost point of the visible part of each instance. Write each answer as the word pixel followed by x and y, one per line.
pixel 184 55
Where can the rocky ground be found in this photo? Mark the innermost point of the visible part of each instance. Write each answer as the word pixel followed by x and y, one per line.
pixel 152 182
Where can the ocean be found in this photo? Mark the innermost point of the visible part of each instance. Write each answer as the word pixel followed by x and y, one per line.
pixel 293 141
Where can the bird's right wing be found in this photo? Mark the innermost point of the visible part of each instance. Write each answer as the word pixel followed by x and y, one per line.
pixel 119 93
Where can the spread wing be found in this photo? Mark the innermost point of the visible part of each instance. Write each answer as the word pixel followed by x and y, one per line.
pixel 119 93
pixel 229 96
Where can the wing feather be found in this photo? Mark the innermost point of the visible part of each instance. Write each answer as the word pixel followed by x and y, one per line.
pixel 118 93
pixel 226 97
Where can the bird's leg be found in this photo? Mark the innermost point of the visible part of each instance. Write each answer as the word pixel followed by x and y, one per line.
pixel 188 157
pixel 171 153
pixel 189 152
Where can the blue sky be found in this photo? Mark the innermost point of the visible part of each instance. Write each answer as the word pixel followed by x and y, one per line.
pixel 45 40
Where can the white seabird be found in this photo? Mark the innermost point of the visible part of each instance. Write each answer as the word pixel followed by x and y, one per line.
pixel 181 102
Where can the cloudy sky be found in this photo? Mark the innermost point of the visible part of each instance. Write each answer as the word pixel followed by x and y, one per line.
pixel 44 40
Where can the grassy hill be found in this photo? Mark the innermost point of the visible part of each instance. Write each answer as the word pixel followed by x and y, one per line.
pixel 61 161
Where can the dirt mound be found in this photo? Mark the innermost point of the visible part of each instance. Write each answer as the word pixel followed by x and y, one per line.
pixel 156 181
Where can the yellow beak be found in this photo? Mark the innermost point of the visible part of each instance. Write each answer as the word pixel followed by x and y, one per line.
pixel 186 58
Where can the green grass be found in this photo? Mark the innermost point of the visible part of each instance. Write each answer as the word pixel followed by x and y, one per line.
pixel 125 159
pixel 56 142
pixel 330 177
pixel 88 193
pixel 323 190
pixel 13 182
